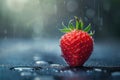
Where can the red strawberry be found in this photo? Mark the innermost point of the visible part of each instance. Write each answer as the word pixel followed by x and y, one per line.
pixel 76 44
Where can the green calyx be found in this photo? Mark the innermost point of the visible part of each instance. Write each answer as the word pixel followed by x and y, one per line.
pixel 79 25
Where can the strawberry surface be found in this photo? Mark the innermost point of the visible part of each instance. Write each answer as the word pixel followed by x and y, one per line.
pixel 76 44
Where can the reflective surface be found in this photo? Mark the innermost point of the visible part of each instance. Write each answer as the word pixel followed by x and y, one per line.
pixel 59 73
pixel 32 60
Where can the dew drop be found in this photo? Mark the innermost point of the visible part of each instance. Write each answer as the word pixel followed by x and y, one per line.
pixel 56 71
pixel 37 78
pixel 55 65
pixel 116 74
pixel 36 58
pixel 98 70
pixel 43 78
pixel 61 71
pixel 20 69
pixel 42 63
pixel 26 74
pixel 89 71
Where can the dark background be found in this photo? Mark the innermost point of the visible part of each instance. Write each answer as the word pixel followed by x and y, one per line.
pixel 43 18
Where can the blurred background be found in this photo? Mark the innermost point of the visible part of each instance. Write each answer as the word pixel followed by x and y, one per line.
pixel 43 18
pixel 29 36
pixel 30 28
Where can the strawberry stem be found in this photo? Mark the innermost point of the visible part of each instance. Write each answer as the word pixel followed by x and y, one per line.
pixel 78 26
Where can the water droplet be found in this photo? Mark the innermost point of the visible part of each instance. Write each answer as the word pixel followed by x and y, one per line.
pixel 20 69
pixel 61 71
pixel 116 74
pixel 37 78
pixel 25 73
pixel 47 68
pixel 56 71
pixel 2 65
pixel 70 72
pixel 98 70
pixel 55 65
pixel 43 78
pixel 42 63
pixel 36 58
pixel 89 71
pixel 67 72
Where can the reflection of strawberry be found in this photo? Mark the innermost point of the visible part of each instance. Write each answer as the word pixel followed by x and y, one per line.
pixel 76 44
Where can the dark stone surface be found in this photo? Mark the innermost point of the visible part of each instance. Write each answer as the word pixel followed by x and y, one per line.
pixel 40 60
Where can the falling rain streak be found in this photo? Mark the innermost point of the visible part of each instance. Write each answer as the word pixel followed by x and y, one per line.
pixel 33 18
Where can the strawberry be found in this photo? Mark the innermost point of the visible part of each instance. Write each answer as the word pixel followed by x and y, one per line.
pixel 77 43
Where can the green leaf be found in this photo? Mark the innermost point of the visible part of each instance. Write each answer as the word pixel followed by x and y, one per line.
pixel 77 22
pixel 65 30
pixel 92 33
pixel 71 26
pixel 71 21
pixel 81 24
pixel 63 25
pixel 87 29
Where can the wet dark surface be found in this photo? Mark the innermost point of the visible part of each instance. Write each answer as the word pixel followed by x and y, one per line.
pixel 58 72
pixel 41 60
